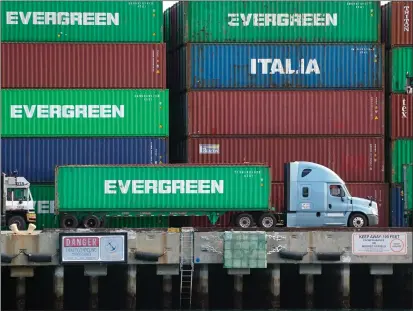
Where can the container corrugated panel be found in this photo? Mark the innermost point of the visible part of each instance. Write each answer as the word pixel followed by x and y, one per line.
pixel 49 113
pixel 285 112
pixel 36 158
pixel 43 197
pixel 401 62
pixel 276 21
pixel 63 65
pixel 281 66
pixel 397 23
pixel 162 188
pixel 379 191
pixel 82 21
pixel 225 221
pixel 401 153
pixel 353 159
pixel 398 217
pixel 401 107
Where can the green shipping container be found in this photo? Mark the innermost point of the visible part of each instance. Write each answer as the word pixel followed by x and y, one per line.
pixel 401 62
pixel 161 190
pixel 57 113
pixel 402 153
pixel 274 21
pixel 44 196
pixel 82 21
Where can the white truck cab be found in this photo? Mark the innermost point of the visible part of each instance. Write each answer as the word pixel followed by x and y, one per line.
pixel 17 206
pixel 315 196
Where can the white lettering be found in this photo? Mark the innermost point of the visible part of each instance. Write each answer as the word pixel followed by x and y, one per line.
pixel 406 19
pixel 67 111
pixel 44 207
pixel 164 186
pixel 282 19
pixel 63 18
pixel 277 67
pixel 404 109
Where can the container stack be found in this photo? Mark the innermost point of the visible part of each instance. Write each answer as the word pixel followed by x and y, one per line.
pixel 83 83
pixel 397 29
pixel 273 82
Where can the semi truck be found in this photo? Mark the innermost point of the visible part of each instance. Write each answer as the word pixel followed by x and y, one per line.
pixel 315 196
pixel 17 206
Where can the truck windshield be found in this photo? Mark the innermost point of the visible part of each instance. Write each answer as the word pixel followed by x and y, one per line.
pixel 18 194
pixel 346 190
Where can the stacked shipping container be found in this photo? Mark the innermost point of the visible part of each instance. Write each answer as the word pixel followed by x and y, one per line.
pixel 232 68
pixel 85 84
pixel 397 28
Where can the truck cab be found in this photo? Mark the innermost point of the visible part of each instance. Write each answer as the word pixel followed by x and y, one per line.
pixel 17 206
pixel 315 196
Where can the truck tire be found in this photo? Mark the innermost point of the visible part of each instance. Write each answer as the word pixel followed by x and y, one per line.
pixel 357 221
pixel 69 221
pixel 267 221
pixel 18 220
pixel 91 221
pixel 244 221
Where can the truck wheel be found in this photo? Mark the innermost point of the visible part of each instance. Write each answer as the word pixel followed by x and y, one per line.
pixel 267 221
pixel 69 221
pixel 18 220
pixel 244 221
pixel 357 221
pixel 91 221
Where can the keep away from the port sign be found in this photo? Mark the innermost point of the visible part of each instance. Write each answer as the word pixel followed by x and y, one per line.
pixel 93 248
pixel 379 243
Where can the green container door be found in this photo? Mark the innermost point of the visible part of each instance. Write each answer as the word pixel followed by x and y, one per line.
pixel 402 153
pixel 43 197
pixel 401 63
pixel 276 21
pixel 162 188
pixel 82 21
pixel 70 113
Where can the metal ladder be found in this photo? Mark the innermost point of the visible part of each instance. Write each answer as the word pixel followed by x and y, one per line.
pixel 186 266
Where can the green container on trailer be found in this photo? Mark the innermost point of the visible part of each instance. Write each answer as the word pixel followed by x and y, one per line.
pixel 44 196
pixel 402 153
pixel 82 21
pixel 84 112
pixel 162 190
pixel 274 21
pixel 401 62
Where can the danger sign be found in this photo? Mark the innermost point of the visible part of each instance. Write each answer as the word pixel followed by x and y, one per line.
pixel 379 243
pixel 93 248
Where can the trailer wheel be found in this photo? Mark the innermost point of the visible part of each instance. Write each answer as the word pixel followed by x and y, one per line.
pixel 69 221
pixel 18 220
pixel 244 221
pixel 91 221
pixel 357 221
pixel 267 221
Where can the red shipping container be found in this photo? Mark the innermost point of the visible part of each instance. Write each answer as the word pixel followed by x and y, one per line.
pixel 397 23
pixel 285 112
pixel 71 65
pixel 379 191
pixel 401 116
pixel 353 159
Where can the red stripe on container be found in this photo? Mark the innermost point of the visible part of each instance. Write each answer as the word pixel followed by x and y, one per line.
pixel 61 65
pixel 285 112
pixel 353 159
